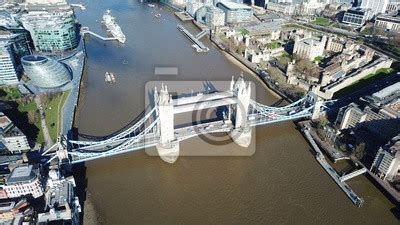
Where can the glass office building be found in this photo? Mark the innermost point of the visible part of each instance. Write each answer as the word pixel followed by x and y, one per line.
pixel 8 71
pixel 236 12
pixel 53 31
pixel 45 72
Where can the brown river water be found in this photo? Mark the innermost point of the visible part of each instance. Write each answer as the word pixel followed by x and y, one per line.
pixel 281 183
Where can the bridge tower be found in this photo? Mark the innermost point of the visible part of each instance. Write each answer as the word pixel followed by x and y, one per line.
pixel 168 148
pixel 318 102
pixel 241 134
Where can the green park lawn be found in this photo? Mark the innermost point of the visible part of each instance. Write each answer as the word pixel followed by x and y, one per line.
pixel 53 115
pixel 322 21
pixel 273 45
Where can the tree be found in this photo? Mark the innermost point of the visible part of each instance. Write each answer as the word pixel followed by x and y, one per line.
pixel 33 117
pixel 359 151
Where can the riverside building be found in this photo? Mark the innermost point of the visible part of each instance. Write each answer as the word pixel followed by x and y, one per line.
pixel 24 180
pixel 52 27
pixel 236 12
pixel 8 65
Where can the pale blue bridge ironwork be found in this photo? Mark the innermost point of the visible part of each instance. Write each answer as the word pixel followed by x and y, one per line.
pixel 156 128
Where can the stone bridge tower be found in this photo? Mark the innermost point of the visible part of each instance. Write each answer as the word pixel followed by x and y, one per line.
pixel 168 148
pixel 241 134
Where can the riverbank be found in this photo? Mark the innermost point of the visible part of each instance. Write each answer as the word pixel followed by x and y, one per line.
pixel 217 42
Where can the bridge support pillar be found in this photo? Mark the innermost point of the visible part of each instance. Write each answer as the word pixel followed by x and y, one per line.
pixel 168 148
pixel 241 134
pixel 318 102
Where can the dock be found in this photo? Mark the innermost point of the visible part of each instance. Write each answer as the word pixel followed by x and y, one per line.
pixel 358 201
pixel 183 16
pixel 195 39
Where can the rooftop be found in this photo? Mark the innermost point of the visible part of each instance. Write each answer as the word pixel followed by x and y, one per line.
pixel 235 6
pixel 387 92
pixel 5 122
pixel 23 173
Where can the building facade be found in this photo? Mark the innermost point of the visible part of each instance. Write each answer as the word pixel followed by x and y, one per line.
pixel 211 16
pixel 8 65
pixel 12 138
pixel 309 47
pixel 388 23
pixel 376 6
pixel 387 161
pixel 285 8
pixel 357 16
pixel 45 72
pixel 53 29
pixel 235 12
pixel 24 180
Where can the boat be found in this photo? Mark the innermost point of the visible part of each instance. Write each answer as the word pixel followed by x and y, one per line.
pixel 109 78
pixel 158 15
pixel 151 5
pixel 125 62
pixel 112 26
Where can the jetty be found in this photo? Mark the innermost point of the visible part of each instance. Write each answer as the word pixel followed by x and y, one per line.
pixel 340 180
pixel 85 30
pixel 199 46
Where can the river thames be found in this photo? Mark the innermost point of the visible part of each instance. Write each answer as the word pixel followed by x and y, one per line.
pixel 281 183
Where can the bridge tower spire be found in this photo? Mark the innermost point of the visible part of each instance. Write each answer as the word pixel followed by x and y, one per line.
pixel 168 148
pixel 241 134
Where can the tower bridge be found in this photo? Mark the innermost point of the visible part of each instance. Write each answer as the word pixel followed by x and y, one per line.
pixel 156 128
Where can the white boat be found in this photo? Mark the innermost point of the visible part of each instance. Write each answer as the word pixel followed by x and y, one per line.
pixel 112 27
pixel 158 15
pixel 151 5
pixel 109 78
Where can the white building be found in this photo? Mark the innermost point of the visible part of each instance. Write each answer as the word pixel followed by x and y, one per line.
pixel 211 16
pixel 285 8
pixel 393 6
pixel 14 140
pixel 388 23
pixel 387 161
pixel 8 66
pixel 309 47
pixel 24 180
pixel 377 6
pixel 235 12
pixel 192 7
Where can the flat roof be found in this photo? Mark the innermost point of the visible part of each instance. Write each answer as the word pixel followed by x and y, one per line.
pixel 387 91
pixel 234 5
pixel 23 173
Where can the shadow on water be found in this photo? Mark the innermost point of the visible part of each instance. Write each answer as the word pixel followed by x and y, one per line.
pixel 79 173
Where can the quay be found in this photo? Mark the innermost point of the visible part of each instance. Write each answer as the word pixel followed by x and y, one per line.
pixel 358 201
pixel 184 16
pixel 195 39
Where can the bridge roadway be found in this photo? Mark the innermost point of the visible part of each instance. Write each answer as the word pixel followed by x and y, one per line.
pixel 148 130
pixel 151 139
